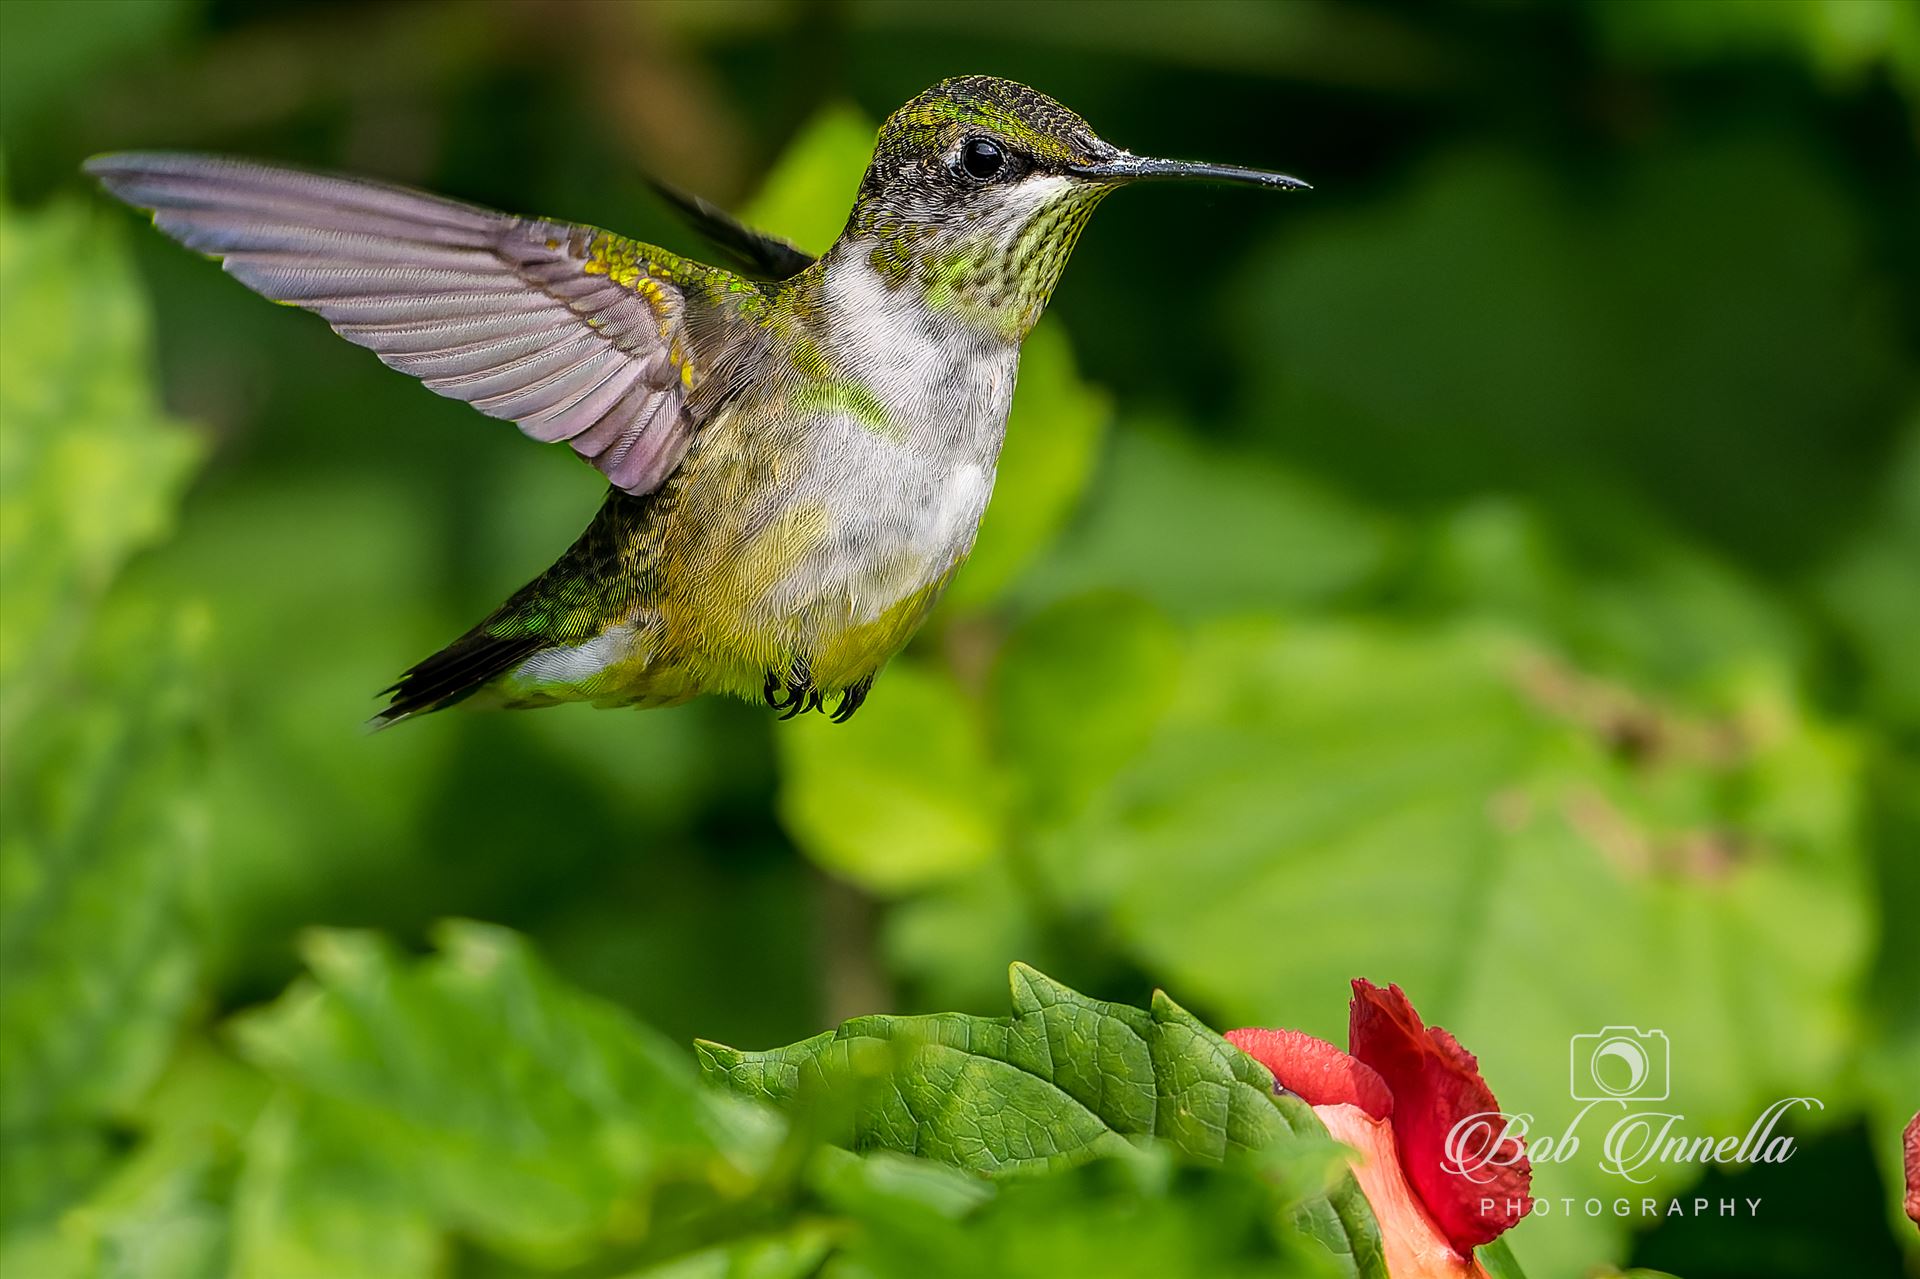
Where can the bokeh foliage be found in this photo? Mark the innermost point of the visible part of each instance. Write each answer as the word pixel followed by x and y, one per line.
pixel 1496 572
pixel 100 762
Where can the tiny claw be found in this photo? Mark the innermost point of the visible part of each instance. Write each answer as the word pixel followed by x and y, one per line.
pixel 799 690
pixel 772 688
pixel 852 699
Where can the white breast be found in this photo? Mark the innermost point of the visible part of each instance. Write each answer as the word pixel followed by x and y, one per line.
pixel 938 377
pixel 905 503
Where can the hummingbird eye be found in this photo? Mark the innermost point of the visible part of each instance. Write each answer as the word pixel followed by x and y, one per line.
pixel 981 159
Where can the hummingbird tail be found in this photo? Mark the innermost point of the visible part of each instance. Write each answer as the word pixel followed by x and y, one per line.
pixel 453 674
pixel 561 613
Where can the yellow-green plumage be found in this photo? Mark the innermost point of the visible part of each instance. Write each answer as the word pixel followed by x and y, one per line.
pixel 691 577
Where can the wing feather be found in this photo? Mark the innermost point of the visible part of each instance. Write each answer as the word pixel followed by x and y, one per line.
pixel 524 319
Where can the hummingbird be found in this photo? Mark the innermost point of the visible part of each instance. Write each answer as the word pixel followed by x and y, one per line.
pixel 798 453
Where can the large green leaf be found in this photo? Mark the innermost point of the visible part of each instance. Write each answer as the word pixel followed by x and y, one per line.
pixel 1062 1080
pixel 1498 1261
pixel 469 1092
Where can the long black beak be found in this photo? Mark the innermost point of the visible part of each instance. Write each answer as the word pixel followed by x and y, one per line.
pixel 1132 168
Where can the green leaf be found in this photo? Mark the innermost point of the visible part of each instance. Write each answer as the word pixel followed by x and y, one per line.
pixel 311 1202
pixel 161 1216
pixel 900 796
pixel 100 946
pixel 1200 530
pixel 93 468
pixel 470 1092
pixel 885 1183
pixel 100 772
pixel 1498 1261
pixel 1079 689
pixel 1634 601
pixel 796 1252
pixel 1062 1080
pixel 163 1209
pixel 1148 1216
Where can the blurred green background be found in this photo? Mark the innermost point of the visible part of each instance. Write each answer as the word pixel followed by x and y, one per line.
pixel 1496 572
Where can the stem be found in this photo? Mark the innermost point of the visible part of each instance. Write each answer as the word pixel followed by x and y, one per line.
pixel 852 980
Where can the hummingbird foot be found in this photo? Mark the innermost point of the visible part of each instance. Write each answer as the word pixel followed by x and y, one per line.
pixel 851 700
pixel 798 693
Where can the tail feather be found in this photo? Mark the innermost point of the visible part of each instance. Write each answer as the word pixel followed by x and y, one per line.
pixel 453 674
pixel 566 605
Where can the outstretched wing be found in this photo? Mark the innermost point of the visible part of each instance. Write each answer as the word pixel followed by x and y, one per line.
pixel 574 333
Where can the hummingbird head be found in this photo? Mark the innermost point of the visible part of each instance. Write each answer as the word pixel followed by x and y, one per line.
pixel 978 190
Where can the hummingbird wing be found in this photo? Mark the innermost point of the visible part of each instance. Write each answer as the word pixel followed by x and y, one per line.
pixel 571 332
pixel 761 252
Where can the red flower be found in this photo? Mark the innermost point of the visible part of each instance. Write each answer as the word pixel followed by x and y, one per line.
pixel 1398 1098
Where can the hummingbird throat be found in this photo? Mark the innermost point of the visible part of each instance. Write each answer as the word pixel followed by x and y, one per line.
pixel 989 271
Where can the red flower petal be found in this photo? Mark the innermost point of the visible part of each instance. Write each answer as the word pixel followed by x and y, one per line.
pixel 1911 1148
pixel 1314 1070
pixel 1436 1084
pixel 1414 1246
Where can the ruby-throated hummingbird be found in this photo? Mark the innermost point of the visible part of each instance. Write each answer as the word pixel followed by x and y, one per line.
pixel 798 464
